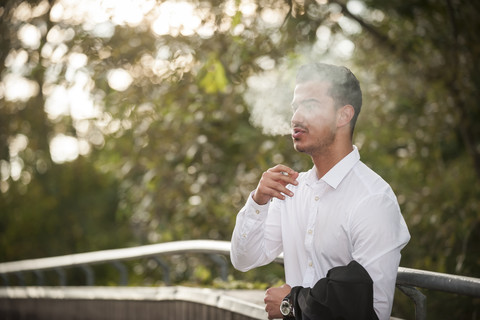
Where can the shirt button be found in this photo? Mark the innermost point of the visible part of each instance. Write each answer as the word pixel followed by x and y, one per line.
pixel 310 264
pixel 317 198
pixel 257 211
pixel 310 231
pixel 244 235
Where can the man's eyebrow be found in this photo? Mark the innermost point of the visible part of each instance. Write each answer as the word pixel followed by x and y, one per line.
pixel 296 104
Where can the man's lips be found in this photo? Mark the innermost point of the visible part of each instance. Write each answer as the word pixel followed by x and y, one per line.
pixel 298 132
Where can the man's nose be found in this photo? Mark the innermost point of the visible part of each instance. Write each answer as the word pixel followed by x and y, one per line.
pixel 298 117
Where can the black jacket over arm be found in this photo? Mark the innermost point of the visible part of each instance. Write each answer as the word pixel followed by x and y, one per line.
pixel 345 293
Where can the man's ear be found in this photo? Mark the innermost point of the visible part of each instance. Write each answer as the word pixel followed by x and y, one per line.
pixel 345 115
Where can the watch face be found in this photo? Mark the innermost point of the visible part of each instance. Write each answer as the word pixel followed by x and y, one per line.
pixel 285 308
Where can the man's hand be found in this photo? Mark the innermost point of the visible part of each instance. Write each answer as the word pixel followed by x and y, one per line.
pixel 274 183
pixel 273 298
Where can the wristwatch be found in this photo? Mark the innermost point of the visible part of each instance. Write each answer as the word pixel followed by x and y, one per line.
pixel 286 308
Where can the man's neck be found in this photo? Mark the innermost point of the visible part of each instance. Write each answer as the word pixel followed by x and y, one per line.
pixel 327 159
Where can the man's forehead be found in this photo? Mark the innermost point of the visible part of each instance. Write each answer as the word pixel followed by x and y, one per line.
pixel 309 89
pixel 313 84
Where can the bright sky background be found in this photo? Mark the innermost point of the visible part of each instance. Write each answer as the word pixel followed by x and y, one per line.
pixel 99 18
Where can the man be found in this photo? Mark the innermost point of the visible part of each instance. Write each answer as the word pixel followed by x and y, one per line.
pixel 337 212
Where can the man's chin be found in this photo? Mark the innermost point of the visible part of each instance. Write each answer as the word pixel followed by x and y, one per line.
pixel 298 148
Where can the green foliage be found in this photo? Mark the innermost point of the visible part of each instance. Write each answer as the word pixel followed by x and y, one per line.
pixel 213 79
pixel 174 154
pixel 72 209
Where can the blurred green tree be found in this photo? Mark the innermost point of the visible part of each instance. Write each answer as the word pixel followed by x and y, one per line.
pixel 167 118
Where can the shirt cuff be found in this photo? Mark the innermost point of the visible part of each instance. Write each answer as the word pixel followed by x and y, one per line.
pixel 255 210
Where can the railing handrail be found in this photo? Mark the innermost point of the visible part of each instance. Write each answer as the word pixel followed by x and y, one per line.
pixel 439 281
pixel 105 256
pixel 406 276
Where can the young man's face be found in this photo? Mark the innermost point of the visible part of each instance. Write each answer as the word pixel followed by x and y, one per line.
pixel 314 118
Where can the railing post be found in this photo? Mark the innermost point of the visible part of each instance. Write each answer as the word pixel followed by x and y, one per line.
pixel 419 299
pixel 21 278
pixel 40 278
pixel 89 274
pixel 165 268
pixel 62 278
pixel 5 279
pixel 123 280
pixel 220 261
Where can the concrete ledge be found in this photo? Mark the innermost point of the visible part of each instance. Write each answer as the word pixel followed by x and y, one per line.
pixel 248 303
pixel 119 303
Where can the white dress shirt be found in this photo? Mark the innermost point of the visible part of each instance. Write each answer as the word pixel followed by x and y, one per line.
pixel 351 213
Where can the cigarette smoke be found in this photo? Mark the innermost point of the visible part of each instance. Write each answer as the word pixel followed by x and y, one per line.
pixel 269 97
pixel 269 94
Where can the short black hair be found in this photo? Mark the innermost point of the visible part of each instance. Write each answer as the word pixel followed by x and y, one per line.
pixel 344 86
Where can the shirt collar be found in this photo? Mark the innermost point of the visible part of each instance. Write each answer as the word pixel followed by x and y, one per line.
pixel 336 174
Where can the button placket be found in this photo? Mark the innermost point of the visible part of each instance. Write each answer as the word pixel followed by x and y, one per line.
pixel 309 236
pixel 320 189
pixel 311 224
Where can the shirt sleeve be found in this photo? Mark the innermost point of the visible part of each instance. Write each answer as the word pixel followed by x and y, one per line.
pixel 256 238
pixel 378 233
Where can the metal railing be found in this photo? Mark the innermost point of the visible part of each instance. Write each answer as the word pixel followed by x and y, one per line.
pixel 408 280
pixel 114 256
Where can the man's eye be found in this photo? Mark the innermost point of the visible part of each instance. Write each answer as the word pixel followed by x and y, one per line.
pixel 306 105
pixel 311 105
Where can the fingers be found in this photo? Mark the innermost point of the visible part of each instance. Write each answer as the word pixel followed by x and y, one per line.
pixel 273 184
pixel 272 307
pixel 286 174
pixel 273 298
